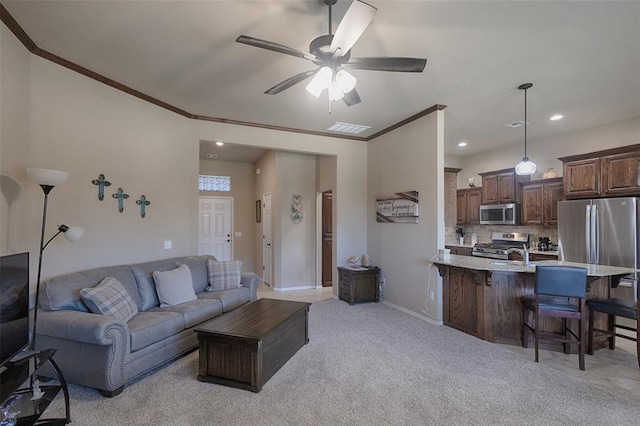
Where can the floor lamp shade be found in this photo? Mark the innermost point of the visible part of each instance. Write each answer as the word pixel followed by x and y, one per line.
pixel 73 233
pixel 47 177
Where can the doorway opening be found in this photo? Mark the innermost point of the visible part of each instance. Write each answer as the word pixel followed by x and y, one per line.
pixel 327 239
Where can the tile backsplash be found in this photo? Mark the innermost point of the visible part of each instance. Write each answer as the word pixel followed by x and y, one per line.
pixel 483 232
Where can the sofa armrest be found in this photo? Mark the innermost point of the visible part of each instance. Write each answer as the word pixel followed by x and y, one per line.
pixel 251 281
pixel 83 327
pixel 91 349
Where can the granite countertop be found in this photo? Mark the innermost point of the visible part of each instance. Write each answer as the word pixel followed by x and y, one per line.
pixel 484 264
pixel 547 252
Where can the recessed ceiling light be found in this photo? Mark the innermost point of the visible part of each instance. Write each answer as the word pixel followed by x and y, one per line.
pixel 219 143
pixel 462 144
pixel 556 117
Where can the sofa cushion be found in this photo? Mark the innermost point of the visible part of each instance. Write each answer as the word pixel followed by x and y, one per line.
pixel 109 298
pixel 143 273
pixel 196 311
pixel 150 327
pixel 224 275
pixel 231 298
pixel 174 287
pixel 63 292
pixel 198 267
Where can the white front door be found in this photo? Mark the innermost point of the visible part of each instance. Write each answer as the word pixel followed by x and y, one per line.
pixel 266 238
pixel 215 228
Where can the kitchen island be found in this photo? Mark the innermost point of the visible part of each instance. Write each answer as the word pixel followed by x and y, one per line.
pixel 483 297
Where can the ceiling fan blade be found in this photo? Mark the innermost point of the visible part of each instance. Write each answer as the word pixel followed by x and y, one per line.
pixel 290 82
pixel 275 47
pixel 353 24
pixel 351 98
pixel 388 64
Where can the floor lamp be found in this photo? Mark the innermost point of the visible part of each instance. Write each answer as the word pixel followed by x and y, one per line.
pixel 48 179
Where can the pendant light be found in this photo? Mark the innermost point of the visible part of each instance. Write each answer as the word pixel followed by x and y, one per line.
pixel 525 167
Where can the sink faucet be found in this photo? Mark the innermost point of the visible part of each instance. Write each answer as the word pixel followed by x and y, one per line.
pixel 523 252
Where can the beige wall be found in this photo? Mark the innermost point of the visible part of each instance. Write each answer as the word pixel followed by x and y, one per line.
pixel 409 158
pixel 242 189
pixel 14 148
pixel 86 128
pixel 75 124
pixel 294 249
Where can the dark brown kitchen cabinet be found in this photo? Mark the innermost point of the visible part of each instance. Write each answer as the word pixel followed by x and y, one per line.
pixel 608 173
pixel 468 206
pixel 460 250
pixel 501 186
pixel 540 201
pixel 620 174
pixel 582 178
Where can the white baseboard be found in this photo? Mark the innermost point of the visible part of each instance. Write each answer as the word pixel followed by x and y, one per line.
pixel 405 310
pixel 310 287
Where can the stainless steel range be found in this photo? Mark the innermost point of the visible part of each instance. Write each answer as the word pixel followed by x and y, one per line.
pixel 500 243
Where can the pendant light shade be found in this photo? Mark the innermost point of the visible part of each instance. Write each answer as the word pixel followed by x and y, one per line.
pixel 526 166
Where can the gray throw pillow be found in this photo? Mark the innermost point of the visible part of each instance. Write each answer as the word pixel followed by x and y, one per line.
pixel 224 275
pixel 110 298
pixel 175 286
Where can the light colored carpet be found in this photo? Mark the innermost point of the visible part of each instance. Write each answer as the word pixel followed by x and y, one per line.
pixel 366 364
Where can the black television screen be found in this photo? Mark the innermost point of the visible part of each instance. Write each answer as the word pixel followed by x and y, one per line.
pixel 14 304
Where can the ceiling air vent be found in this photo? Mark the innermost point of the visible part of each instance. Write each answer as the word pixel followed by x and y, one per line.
pixel 348 128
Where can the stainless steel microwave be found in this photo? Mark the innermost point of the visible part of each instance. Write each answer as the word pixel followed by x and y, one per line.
pixel 500 214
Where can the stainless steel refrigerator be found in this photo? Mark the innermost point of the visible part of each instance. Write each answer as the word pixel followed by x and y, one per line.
pixel 601 231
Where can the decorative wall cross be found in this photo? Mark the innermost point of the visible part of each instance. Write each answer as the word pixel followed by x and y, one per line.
pixel 143 203
pixel 101 182
pixel 120 196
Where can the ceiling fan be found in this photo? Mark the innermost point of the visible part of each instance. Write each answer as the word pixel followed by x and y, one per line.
pixel 333 52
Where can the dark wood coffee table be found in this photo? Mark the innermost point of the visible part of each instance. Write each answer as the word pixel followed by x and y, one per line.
pixel 245 347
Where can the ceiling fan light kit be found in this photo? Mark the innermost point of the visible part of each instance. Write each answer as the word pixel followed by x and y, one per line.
pixel 331 52
pixel 525 167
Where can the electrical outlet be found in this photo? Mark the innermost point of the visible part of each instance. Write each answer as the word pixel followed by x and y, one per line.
pixel 432 295
pixel 167 245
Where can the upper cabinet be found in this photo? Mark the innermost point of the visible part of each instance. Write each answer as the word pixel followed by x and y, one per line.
pixel 502 186
pixel 609 173
pixel 468 206
pixel 540 201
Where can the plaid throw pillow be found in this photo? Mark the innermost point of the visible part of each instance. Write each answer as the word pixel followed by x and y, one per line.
pixel 223 275
pixel 110 298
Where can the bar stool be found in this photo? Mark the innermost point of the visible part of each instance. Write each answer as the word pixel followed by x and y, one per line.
pixel 560 292
pixel 613 308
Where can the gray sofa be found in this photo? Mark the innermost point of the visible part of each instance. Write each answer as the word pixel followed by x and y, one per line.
pixel 106 353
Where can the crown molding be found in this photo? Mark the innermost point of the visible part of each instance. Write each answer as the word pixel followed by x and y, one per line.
pixel 32 47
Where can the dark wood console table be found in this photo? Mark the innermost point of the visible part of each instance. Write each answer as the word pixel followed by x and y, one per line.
pixel 359 285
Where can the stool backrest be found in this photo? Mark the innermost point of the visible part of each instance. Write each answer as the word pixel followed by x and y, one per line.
pixel 565 281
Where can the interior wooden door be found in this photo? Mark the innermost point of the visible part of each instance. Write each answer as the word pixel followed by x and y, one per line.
pixel 327 239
